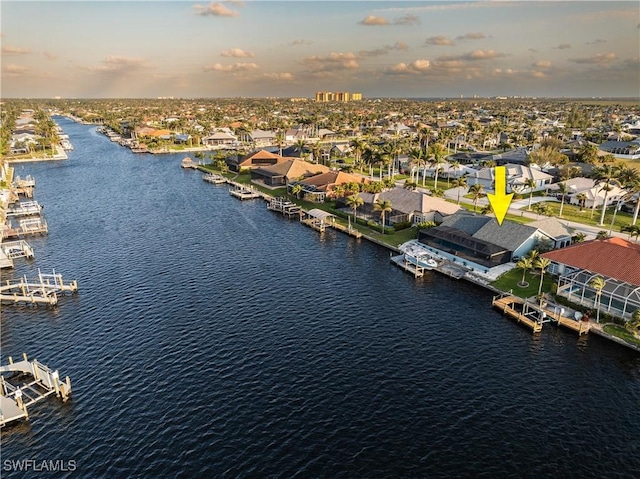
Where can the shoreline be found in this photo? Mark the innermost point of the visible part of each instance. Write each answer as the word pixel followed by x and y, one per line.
pixel 597 328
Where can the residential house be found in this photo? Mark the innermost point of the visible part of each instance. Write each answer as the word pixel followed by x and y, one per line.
pixel 257 159
pixel 258 137
pixel 479 242
pixel 616 260
pixel 517 177
pixel 560 234
pixel 626 150
pixel 221 138
pixel 592 192
pixel 413 206
pixel 286 171
pixel 318 187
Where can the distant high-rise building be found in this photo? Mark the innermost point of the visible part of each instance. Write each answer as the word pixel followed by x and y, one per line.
pixel 343 96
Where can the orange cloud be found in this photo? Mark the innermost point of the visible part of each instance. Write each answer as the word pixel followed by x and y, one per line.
pixel 215 9
pixel 235 67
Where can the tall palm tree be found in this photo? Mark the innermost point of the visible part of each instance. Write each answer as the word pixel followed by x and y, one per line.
pixel 598 283
pixel 460 183
pixel 630 180
pixel 606 177
pixel 354 201
pixel 384 207
pixel 542 264
pixel 524 264
pixel 531 184
pixel 301 144
pixel 415 156
pixel 582 198
pixel 296 190
pixel 563 189
pixel 476 192
pixel 358 145
pixel 438 152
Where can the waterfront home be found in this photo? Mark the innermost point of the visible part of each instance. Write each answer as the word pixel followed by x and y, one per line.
pixel 408 206
pixel 587 191
pixel 616 260
pixel 221 139
pixel 258 137
pixel 517 177
pixel 479 242
pixel 256 159
pixel 517 156
pixel 323 184
pixel 287 171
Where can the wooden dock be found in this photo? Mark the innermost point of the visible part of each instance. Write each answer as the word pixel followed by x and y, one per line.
pixel 413 268
pixel 508 303
pixel 43 291
pixel 580 327
pixel 17 249
pixel 243 192
pixel 26 227
pixel 284 206
pixel 214 179
pixel 32 382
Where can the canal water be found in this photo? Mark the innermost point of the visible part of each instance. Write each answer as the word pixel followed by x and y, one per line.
pixel 213 338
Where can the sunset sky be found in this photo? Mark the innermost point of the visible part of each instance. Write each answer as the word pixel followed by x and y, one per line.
pixel 98 49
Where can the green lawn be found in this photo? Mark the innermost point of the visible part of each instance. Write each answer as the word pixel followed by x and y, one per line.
pixel 573 213
pixel 622 333
pixel 510 279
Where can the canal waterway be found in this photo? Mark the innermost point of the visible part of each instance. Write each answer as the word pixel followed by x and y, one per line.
pixel 213 338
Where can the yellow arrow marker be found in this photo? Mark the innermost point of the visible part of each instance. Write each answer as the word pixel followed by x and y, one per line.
pixel 501 200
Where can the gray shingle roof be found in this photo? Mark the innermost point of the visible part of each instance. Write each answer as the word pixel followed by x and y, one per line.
pixel 510 235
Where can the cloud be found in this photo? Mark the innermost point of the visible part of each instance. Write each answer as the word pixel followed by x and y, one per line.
pixel 296 43
pixel 383 51
pixel 333 61
pixel 16 70
pixel 237 53
pixel 538 74
pixel 562 46
pixel 216 9
pixel 50 56
pixel 117 63
pixel 439 40
pixel 533 50
pixel 372 20
pixel 417 66
pixel 234 67
pixel 542 64
pixel 471 36
pixel 11 50
pixel 408 19
pixel 597 41
pixel 284 76
pixel 599 59
pixel 476 55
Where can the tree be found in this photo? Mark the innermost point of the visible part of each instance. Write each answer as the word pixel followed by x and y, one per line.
pixel 416 161
pixel 542 264
pixel 633 230
pixel 630 180
pixel 605 176
pixel 301 145
pixel 563 189
pixel 602 235
pixel 460 183
pixel 588 153
pixel 384 207
pixel 354 202
pixel 296 190
pixel 582 198
pixel 476 192
pixel 598 283
pixel 531 184
pixel 524 264
pixel 634 323
pixel 438 152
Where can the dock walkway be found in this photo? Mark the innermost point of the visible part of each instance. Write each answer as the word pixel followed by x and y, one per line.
pixel 43 291
pixel 507 303
pixel 413 268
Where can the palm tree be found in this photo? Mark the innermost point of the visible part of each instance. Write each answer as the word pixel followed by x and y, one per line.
pixel 438 152
pixel 542 264
pixel 415 155
pixel 582 198
pixel 384 207
pixel 524 264
pixel 531 184
pixel 597 283
pixel 358 146
pixel 476 192
pixel 563 189
pixel 301 144
pixel 296 190
pixel 630 180
pixel 354 201
pixel 605 176
pixel 460 183
pixel 633 230
pixel 634 323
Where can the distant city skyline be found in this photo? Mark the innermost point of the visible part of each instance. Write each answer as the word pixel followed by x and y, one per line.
pixel 149 49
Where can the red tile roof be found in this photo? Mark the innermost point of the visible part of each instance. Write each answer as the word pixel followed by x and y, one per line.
pixel 613 257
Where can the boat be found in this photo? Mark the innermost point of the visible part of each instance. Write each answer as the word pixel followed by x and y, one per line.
pixel 422 259
pixel 213 178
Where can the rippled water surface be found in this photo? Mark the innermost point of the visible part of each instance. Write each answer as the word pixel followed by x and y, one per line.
pixel 213 338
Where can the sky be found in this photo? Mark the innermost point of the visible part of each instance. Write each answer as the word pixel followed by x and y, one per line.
pixel 149 49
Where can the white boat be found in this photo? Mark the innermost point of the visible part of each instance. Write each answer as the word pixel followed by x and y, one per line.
pixel 422 259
